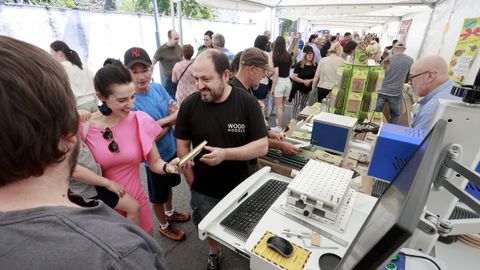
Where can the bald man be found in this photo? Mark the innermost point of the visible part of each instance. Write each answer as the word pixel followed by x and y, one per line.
pixel 429 79
pixel 168 55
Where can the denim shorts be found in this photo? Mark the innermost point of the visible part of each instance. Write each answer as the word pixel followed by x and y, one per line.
pixel 201 206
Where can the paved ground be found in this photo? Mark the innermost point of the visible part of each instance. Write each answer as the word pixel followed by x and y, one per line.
pixel 191 253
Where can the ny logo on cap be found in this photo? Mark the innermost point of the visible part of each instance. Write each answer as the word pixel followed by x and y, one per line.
pixel 135 53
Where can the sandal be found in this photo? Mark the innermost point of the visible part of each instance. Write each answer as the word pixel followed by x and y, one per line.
pixel 178 217
pixel 172 233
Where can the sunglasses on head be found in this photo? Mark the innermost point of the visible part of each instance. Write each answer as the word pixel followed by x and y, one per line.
pixel 113 145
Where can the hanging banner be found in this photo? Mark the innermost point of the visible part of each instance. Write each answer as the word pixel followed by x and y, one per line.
pixel 466 50
pixel 404 26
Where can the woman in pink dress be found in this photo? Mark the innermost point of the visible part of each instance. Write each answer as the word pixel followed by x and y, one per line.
pixel 121 139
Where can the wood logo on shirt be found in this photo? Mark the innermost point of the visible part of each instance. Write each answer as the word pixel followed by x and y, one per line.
pixel 236 128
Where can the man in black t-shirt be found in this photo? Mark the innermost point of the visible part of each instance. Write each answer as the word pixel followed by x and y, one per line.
pixel 252 67
pixel 232 123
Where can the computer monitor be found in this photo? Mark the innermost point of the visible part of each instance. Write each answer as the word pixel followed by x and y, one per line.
pixel 397 212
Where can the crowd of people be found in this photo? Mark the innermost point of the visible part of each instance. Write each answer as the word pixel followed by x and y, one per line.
pixel 73 141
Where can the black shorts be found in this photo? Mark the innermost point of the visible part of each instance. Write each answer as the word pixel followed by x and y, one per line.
pixel 106 196
pixel 159 185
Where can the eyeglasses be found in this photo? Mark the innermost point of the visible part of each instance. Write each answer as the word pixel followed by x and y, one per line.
pixel 113 145
pixel 416 75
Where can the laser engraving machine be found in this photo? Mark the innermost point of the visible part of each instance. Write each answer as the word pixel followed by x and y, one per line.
pixel 460 156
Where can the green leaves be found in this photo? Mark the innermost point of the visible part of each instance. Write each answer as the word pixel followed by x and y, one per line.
pixel 190 8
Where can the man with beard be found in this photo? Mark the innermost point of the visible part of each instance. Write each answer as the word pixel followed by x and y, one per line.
pixel 41 225
pixel 230 120
pixel 429 79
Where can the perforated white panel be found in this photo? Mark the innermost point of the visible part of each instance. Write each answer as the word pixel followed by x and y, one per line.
pixel 322 182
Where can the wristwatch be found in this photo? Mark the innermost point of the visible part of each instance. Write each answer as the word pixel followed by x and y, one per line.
pixel 165 168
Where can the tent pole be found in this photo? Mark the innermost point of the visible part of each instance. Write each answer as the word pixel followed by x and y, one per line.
pixel 179 14
pixel 157 32
pixel 172 13
pixel 155 14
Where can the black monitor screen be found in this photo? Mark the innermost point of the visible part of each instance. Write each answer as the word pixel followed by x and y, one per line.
pixel 396 213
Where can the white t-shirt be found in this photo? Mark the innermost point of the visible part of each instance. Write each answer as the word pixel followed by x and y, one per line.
pixel 81 81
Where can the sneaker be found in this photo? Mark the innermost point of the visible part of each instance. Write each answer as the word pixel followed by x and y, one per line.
pixel 178 217
pixel 172 233
pixel 214 260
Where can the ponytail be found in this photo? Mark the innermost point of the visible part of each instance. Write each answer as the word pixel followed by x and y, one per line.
pixel 71 55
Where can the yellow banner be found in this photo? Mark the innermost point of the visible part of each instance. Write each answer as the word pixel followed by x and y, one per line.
pixel 466 51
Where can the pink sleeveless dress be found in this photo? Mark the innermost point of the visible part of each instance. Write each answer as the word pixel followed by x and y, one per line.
pixel 135 136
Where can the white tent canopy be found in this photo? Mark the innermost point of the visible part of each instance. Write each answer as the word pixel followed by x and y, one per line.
pixel 367 13
pixel 434 30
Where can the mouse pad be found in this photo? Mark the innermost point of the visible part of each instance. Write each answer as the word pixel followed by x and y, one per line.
pixel 296 261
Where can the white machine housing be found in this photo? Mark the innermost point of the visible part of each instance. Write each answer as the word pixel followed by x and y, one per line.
pixel 463 127
pixel 333 132
pixel 320 191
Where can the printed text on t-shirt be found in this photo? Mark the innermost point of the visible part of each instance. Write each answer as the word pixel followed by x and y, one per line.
pixel 236 128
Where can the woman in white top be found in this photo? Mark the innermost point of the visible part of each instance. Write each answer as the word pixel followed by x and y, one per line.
pixel 326 75
pixel 80 77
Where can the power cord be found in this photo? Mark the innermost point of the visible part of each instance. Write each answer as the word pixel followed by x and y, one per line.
pixel 421 257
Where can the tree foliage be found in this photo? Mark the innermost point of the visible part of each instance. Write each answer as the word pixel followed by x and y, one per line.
pixel 190 8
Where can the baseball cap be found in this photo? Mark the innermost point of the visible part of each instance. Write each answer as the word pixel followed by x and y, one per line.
pixel 399 44
pixel 136 55
pixel 255 57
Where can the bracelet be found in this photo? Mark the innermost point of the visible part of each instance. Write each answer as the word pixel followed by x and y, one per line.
pixel 165 168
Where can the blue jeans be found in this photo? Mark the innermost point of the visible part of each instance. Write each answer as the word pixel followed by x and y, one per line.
pixel 394 102
pixel 170 87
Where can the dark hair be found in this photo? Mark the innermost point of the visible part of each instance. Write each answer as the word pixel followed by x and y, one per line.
pixel 350 47
pixel 112 72
pixel 235 65
pixel 187 51
pixel 333 38
pixel 347 34
pixel 312 38
pixel 219 60
pixel 37 107
pixel 71 55
pixel 280 53
pixel 209 33
pixel 114 61
pixel 394 41
pixel 377 40
pixel 261 42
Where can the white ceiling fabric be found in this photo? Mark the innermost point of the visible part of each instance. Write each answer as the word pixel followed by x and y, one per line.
pixel 327 12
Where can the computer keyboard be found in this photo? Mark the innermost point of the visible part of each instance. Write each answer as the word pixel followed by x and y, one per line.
pixel 244 218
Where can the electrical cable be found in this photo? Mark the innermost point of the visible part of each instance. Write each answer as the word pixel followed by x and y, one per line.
pixel 421 257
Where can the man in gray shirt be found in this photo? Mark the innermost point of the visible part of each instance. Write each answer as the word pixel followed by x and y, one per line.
pixel 168 55
pixel 392 86
pixel 41 225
